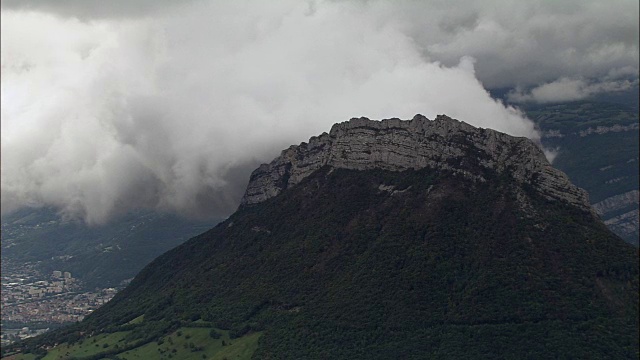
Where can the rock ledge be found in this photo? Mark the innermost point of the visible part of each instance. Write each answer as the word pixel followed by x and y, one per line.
pixel 397 145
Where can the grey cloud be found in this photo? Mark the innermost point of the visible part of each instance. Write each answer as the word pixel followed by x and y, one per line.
pixel 523 43
pixel 516 43
pixel 566 89
pixel 96 9
pixel 170 107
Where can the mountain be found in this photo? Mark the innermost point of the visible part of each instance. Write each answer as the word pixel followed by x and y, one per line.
pixel 384 239
pixel 100 256
pixel 597 144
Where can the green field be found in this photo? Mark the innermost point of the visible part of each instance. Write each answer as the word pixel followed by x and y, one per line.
pixel 195 343
pixel 183 344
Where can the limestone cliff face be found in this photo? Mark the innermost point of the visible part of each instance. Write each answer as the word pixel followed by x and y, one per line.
pixel 398 145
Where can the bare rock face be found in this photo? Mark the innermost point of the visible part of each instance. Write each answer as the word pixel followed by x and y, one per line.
pixel 397 145
pixel 620 214
pixel 617 202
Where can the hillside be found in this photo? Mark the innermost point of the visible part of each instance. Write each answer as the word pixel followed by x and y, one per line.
pixel 479 251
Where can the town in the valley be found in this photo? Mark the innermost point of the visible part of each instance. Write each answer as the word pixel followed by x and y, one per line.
pixel 33 302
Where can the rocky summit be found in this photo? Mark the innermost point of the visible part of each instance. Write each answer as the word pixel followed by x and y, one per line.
pixel 397 145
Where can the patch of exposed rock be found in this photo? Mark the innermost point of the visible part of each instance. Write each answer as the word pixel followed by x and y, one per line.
pixel 620 214
pixel 617 202
pixel 626 226
pixel 397 145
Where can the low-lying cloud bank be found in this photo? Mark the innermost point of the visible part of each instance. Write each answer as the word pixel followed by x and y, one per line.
pixel 566 89
pixel 170 107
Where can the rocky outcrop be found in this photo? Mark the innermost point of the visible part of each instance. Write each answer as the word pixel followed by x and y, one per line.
pixel 617 202
pixel 626 226
pixel 398 145
pixel 620 214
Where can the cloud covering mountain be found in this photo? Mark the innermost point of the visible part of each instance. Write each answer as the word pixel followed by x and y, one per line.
pixel 108 106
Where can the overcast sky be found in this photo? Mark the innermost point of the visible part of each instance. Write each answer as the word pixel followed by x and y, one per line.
pixel 169 105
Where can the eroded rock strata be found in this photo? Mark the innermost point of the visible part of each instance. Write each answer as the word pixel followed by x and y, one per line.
pixel 397 145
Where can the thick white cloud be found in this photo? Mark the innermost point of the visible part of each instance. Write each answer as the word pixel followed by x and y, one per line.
pixel 172 109
pixel 516 43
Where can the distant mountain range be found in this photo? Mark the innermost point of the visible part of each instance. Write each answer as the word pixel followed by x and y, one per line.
pixel 597 145
pixel 381 240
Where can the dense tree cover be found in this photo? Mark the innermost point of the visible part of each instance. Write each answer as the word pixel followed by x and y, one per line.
pixel 429 265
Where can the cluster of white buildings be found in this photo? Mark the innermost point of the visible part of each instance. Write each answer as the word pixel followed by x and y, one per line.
pixel 18 290
pixel 28 297
pixel 12 335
